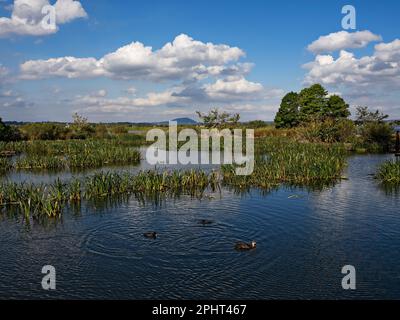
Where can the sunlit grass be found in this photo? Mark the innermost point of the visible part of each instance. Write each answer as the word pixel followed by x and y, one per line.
pixel 281 160
pixel 389 172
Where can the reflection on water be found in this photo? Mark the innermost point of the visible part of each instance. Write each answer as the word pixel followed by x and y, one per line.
pixel 304 237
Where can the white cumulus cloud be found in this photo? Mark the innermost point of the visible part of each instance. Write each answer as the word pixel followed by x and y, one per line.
pixel 343 40
pixel 26 17
pixel 184 58
pixel 380 69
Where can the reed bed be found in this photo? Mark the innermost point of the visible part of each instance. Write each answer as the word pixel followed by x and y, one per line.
pixel 5 165
pixel 277 160
pixel 389 172
pixel 72 154
pixel 49 200
pixel 62 147
pixel 281 160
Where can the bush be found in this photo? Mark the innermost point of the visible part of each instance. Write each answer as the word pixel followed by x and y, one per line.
pixel 118 130
pixel 81 132
pixel 377 136
pixel 45 131
pixel 101 131
pixel 255 124
pixel 327 131
pixel 9 133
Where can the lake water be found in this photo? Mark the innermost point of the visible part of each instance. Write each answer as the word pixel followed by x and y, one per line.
pixel 303 237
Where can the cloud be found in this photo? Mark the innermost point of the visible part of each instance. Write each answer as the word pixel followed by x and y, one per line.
pixel 16 102
pixel 98 102
pixel 371 80
pixel 199 75
pixel 237 88
pixel 182 59
pixel 6 94
pixel 343 40
pixel 131 90
pixel 26 17
pixel 69 67
pixel 68 10
pixel 381 68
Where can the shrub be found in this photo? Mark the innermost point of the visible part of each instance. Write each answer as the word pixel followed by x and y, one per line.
pixel 377 135
pixel 327 131
pixel 9 133
pixel 45 131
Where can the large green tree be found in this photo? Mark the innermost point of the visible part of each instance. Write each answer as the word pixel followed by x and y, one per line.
pixel 288 114
pixel 312 103
pixel 336 108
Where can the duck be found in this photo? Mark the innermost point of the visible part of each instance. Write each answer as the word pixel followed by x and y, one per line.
pixel 205 222
pixel 150 235
pixel 241 246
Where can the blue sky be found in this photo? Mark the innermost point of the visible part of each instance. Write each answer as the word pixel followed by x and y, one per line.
pixel 240 56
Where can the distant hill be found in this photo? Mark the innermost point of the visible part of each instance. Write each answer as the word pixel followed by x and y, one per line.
pixel 180 121
pixel 185 121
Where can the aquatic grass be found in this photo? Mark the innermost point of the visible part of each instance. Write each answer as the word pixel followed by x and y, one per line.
pixel 49 199
pixel 282 160
pixel 389 172
pixel 62 155
pixel 40 162
pixel 31 200
pixel 5 165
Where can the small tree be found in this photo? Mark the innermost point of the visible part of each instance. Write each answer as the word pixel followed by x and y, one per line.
pixel 364 115
pixel 216 119
pixel 81 128
pixel 375 133
pixel 79 120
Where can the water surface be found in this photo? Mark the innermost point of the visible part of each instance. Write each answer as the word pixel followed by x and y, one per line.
pixel 303 237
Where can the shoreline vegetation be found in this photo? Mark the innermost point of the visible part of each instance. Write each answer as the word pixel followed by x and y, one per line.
pixel 319 165
pixel 307 145
pixel 389 172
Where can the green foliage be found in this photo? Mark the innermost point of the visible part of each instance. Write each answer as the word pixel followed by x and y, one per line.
pixel 9 133
pixel 5 165
pixel 216 119
pixel 389 172
pixel 255 124
pixel 311 104
pixel 329 131
pixel 45 131
pixel 374 134
pixel 283 160
pixel 288 114
pixel 377 134
pixel 336 108
pixel 48 200
pixel 364 115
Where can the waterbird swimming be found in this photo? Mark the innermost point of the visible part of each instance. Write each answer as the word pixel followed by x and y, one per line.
pixel 205 222
pixel 150 235
pixel 241 246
